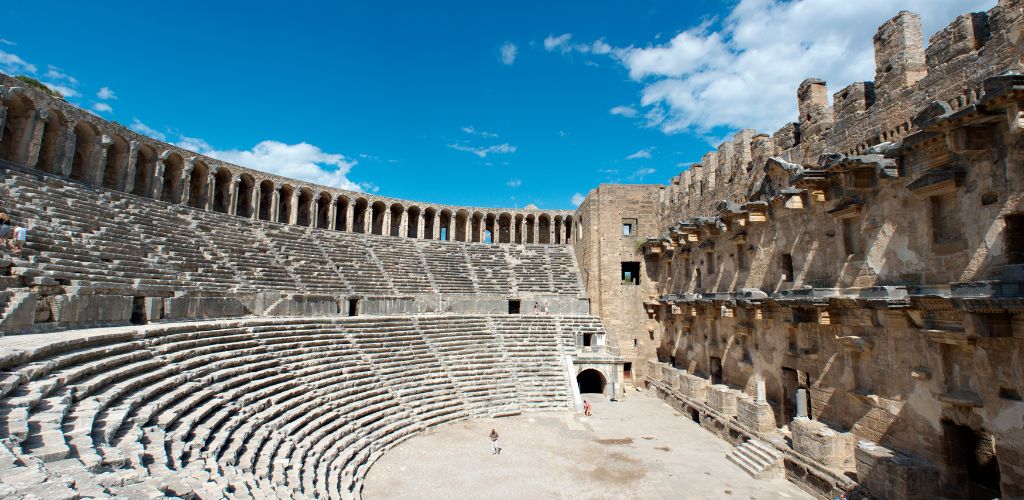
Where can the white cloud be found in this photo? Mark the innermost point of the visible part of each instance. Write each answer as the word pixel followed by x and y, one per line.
pixel 514 183
pixel 55 73
pixel 102 107
pixel 63 89
pixel 11 63
pixel 640 173
pixel 471 130
pixel 302 161
pixel 504 148
pixel 508 53
pixel 5 41
pixel 577 198
pixel 560 42
pixel 627 111
pixel 106 94
pixel 743 71
pixel 144 129
pixel 642 154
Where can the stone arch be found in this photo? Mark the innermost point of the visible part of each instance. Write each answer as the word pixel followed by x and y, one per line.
pixel 519 229
pixel 395 220
pixel 17 127
pixel 444 231
pixel 591 381
pixel 477 227
pixel 558 229
pixel 490 229
pixel 504 228
pixel 174 165
pixel 429 221
pixel 266 200
pixel 461 223
pixel 413 222
pixel 117 161
pixel 544 229
pixel 51 152
pixel 221 190
pixel 243 202
pixel 378 211
pixel 341 222
pixel 284 203
pixel 531 225
pixel 359 215
pixel 87 137
pixel 199 185
pixel 145 159
pixel 568 229
pixel 323 211
pixel 302 211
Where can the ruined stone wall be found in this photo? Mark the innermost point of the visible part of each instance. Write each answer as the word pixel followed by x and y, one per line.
pixel 870 254
pixel 601 248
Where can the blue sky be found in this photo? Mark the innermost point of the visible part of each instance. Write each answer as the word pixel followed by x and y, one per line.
pixel 473 103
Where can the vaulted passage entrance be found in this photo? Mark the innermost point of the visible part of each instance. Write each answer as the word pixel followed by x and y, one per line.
pixel 590 381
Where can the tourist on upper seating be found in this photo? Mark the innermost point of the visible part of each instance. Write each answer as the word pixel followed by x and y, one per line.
pixel 586 408
pixel 5 230
pixel 20 235
pixel 494 443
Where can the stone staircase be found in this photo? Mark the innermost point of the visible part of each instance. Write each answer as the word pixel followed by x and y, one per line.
pixel 759 459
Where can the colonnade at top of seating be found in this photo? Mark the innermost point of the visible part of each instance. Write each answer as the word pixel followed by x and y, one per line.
pixel 49 140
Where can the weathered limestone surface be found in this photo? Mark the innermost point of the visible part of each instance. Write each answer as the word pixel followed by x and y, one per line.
pixel 868 254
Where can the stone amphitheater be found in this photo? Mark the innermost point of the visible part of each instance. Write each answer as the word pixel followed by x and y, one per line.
pixel 839 304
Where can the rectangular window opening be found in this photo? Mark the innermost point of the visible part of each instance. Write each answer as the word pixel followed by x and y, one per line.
pixel 851 235
pixel 630 273
pixel 945 217
pixel 710 262
pixel 1013 237
pixel 628 227
pixel 786 262
pixel 588 339
pixel 513 306
pixel 353 307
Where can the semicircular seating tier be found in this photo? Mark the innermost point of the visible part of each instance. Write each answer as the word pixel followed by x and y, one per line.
pixel 91 237
pixel 284 407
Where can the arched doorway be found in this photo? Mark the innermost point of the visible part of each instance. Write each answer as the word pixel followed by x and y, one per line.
pixel 590 381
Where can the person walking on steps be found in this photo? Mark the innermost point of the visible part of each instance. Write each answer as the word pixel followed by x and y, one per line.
pixel 494 443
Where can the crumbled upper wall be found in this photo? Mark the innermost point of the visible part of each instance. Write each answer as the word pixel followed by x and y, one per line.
pixel 909 75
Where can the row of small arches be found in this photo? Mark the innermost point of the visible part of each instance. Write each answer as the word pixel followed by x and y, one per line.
pixel 79 150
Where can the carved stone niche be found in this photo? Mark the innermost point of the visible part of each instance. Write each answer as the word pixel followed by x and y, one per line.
pixel 970 139
pixel 938 181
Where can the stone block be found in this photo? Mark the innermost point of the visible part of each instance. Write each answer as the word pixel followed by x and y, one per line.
pixel 79 309
pixel 180 308
pixel 893 475
pixel 722 398
pixel 829 447
pixel 755 415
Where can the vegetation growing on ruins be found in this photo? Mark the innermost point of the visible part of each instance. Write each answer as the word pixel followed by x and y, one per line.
pixel 40 86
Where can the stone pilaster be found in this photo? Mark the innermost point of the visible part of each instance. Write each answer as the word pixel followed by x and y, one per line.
pixel 332 214
pixel 36 137
pixel 254 203
pixel 275 203
pixel 350 211
pixel 70 140
pixel 157 182
pixel 129 169
pixel 99 158
pixel 232 207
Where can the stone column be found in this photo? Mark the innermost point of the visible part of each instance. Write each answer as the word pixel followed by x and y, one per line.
pixel 350 211
pixel 157 182
pixel 293 202
pixel 36 140
pixel 421 225
pixel 275 203
pixel 314 209
pixel 70 138
pixel 211 184
pixel 254 203
pixel 332 214
pixel 99 158
pixel 129 169
pixel 403 223
pixel 801 403
pixel 186 180
pixel 436 232
pixel 233 195
pixel 760 392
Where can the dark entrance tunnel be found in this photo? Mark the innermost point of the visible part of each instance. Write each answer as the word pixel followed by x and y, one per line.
pixel 590 381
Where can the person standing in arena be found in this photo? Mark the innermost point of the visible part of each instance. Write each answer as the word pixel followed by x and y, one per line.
pixel 494 443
